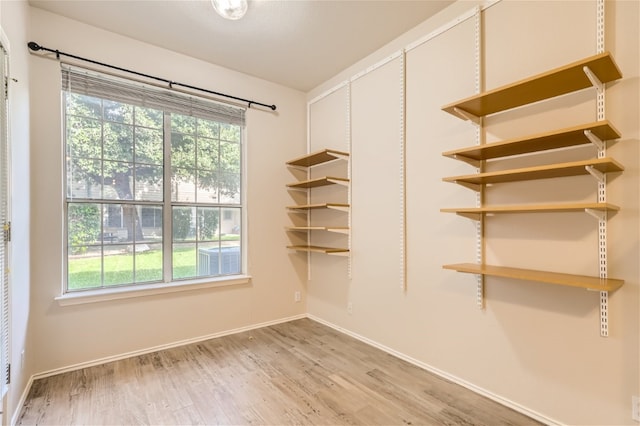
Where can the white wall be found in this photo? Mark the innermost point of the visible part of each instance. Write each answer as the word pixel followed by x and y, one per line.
pixel 65 336
pixel 14 20
pixel 534 346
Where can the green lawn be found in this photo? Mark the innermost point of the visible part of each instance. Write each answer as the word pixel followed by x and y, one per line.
pixel 85 272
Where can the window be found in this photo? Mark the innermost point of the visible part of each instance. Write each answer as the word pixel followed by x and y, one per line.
pixel 153 184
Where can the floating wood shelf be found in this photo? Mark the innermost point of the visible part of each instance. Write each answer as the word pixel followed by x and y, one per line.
pixel 581 281
pixel 338 229
pixel 319 157
pixel 575 168
pixel 317 249
pixel 556 82
pixel 537 208
pixel 562 138
pixel 323 181
pixel 307 207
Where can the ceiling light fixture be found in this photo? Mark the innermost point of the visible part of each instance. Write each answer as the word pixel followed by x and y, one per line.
pixel 230 9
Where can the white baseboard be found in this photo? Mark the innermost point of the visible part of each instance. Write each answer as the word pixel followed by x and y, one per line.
pixel 23 398
pixel 126 355
pixel 497 398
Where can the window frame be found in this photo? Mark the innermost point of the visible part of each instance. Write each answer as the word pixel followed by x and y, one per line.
pixel 167 284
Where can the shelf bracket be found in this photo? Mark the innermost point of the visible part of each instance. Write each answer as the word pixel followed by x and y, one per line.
pixel 472 186
pixel 468 160
pixel 472 216
pixel 600 176
pixel 595 81
pixel 338 182
pixel 466 115
pixel 599 143
pixel 598 214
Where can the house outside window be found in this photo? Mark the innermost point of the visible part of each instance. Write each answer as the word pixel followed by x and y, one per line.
pixel 153 184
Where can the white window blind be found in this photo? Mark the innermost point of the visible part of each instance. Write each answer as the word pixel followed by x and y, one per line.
pixel 4 220
pixel 84 82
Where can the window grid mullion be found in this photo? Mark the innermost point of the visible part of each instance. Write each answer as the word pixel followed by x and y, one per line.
pixel 167 209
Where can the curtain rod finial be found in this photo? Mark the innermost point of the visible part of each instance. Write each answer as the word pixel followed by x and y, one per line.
pixel 34 46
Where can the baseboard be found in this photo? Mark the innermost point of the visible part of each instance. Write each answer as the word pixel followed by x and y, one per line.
pixel 23 398
pixel 497 398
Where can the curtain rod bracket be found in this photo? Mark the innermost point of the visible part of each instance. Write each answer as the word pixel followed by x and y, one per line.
pixel 36 47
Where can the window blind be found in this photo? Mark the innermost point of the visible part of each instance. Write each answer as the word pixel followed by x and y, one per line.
pixel 90 83
pixel 4 220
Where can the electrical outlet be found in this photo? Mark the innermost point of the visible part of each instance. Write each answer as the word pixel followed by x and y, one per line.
pixel 635 408
pixel 350 308
pixel 296 296
pixel 22 359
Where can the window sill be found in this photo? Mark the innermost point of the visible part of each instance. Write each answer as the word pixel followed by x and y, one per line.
pixel 102 295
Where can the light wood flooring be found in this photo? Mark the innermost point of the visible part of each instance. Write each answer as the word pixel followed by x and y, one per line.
pixel 300 372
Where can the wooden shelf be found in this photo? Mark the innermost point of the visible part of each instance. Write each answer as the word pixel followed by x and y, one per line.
pixel 319 157
pixel 556 82
pixel 575 168
pixel 337 229
pixel 581 281
pixel 537 208
pixel 323 181
pixel 570 136
pixel 317 249
pixel 307 207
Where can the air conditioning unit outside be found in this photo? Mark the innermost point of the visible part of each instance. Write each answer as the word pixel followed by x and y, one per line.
pixel 219 261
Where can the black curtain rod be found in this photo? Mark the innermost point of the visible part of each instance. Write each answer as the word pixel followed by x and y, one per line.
pixel 36 47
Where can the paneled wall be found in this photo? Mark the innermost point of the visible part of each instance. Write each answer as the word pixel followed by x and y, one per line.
pixel 536 347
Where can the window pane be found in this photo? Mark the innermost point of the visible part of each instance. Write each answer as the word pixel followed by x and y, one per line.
pixel 183 150
pixel 149 146
pixel 230 157
pixel 184 223
pixel 84 137
pixel 231 225
pixel 229 132
pixel 148 262
pixel 184 260
pixel 149 183
pixel 84 268
pixel 208 223
pixel 118 180
pixel 207 187
pixel 208 154
pixel 183 185
pixel 117 142
pixel 84 226
pixel 218 260
pixel 229 188
pixel 147 117
pixel 118 265
pixel 151 219
pixel 208 128
pixel 84 178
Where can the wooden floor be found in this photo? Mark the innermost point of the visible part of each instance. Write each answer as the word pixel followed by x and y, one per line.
pixel 299 372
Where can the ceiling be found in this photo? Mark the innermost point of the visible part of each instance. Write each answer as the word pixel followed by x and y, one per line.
pixel 296 43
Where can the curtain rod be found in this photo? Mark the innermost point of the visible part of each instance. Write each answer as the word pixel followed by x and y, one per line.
pixel 36 47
